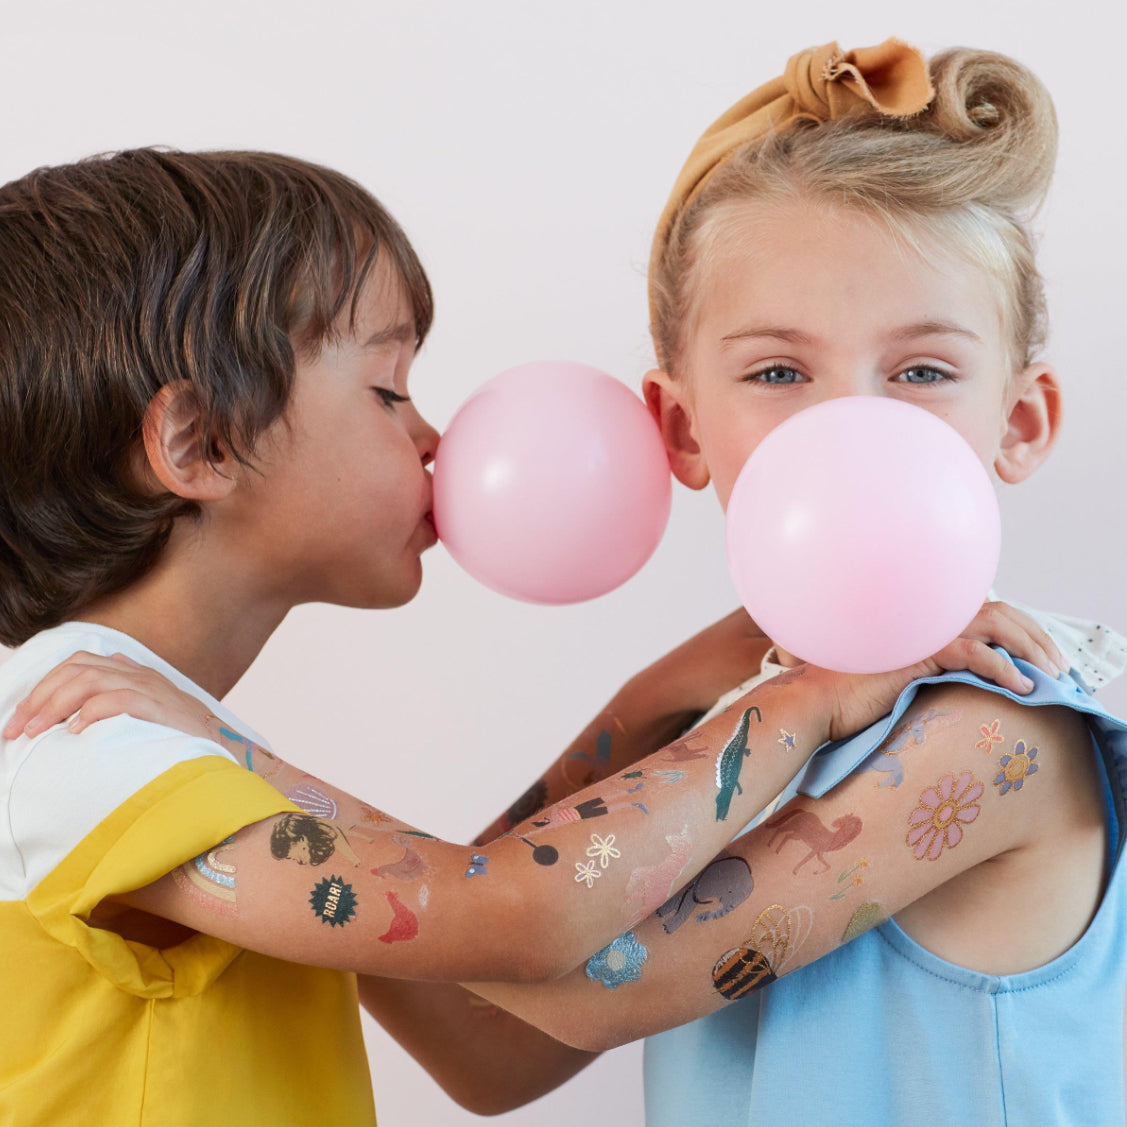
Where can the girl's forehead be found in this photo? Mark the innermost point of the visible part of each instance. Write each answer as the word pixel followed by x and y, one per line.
pixel 833 268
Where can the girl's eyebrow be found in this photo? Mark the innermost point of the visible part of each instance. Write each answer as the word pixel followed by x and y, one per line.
pixel 896 336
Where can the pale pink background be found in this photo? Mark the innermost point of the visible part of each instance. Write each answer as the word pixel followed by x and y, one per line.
pixel 528 149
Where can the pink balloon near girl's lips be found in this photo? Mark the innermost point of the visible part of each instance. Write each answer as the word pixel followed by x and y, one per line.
pixel 551 483
pixel 863 534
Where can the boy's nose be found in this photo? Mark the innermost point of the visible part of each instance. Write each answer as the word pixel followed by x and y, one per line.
pixel 428 443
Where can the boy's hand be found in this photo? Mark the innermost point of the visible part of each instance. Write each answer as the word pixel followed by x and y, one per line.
pixel 859 698
pixel 93 687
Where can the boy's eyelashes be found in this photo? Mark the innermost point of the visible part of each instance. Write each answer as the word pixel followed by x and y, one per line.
pixel 390 397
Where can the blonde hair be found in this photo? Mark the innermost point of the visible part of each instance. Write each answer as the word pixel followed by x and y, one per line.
pixel 967 173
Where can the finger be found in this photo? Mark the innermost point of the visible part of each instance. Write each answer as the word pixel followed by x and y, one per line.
pixel 978 657
pixel 116 702
pixel 71 694
pixel 58 676
pixel 1021 635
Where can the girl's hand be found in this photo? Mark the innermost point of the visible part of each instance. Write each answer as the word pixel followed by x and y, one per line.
pixel 859 698
pixel 93 687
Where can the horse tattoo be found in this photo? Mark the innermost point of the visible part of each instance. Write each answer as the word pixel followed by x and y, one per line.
pixel 801 825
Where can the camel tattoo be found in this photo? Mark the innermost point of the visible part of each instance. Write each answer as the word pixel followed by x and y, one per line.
pixel 729 764
pixel 802 825
pixel 910 734
pixel 723 884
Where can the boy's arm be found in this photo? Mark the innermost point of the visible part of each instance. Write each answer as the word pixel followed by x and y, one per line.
pixel 360 891
pixel 820 871
pixel 651 710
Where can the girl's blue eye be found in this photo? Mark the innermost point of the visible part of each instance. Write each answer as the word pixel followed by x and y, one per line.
pixel 390 397
pixel 926 368
pixel 755 376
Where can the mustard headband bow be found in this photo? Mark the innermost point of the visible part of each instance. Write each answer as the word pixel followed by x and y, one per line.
pixel 820 83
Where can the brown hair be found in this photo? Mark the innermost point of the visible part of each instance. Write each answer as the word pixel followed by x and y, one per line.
pixel 968 173
pixel 125 272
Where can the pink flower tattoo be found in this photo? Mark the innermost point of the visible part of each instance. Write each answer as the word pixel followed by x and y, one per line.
pixel 990 736
pixel 937 823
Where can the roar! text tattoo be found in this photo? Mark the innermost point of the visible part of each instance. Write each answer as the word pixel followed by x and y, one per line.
pixel 333 901
pixel 209 880
pixel 944 809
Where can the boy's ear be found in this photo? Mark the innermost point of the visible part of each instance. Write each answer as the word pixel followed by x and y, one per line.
pixel 174 447
pixel 668 401
pixel 1032 426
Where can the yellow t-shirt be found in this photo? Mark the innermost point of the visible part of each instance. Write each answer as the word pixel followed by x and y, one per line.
pixel 100 1031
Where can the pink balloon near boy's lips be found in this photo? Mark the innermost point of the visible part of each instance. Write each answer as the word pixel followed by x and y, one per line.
pixel 551 483
pixel 863 534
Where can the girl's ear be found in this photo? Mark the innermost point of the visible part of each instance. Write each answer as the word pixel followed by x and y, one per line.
pixel 671 406
pixel 1031 428
pixel 174 449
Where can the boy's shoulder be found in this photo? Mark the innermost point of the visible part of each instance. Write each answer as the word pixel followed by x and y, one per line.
pixel 58 786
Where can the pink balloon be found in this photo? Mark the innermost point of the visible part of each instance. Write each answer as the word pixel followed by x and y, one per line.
pixel 863 534
pixel 551 483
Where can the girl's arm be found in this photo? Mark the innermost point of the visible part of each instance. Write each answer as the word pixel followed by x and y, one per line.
pixel 821 871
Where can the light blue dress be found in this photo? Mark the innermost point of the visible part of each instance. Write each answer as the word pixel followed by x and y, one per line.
pixel 882 1031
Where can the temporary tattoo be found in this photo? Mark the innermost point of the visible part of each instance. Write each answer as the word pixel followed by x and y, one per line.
pixel 333 901
pixel 991 735
pixel 634 774
pixel 1016 768
pixel 529 803
pixel 910 734
pixel 787 739
pixel 728 766
pixel 651 886
pixel 210 881
pixel 423 895
pixel 603 850
pixel 618 963
pixel 596 764
pixel 804 826
pixel 419 833
pixel 586 872
pixel 723 884
pixel 669 777
pixel 635 789
pixel 308 840
pixel 774 941
pixel 870 914
pixel 477 865
pixel 857 878
pixel 234 737
pixel 566 815
pixel 313 801
pixel 404 922
pixel 780 934
pixel 542 854
pixel 681 752
pixel 936 824
pixel 410 866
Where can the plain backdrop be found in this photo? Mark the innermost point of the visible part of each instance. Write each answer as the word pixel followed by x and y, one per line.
pixel 527 149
